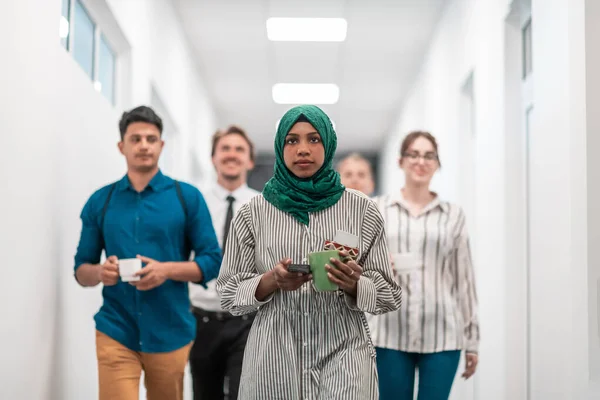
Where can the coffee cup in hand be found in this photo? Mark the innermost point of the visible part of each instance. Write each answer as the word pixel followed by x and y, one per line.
pixel 128 267
pixel 406 262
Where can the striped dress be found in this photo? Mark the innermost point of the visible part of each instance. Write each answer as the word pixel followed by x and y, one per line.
pixel 439 310
pixel 306 344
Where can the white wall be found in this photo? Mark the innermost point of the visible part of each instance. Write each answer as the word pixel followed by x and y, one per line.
pixel 473 36
pixel 59 144
pixel 592 48
pixel 468 40
pixel 559 254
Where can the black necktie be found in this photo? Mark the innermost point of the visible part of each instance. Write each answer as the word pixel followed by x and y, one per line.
pixel 228 218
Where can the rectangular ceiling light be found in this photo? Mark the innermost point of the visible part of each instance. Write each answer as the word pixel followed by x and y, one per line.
pixel 306 93
pixel 307 29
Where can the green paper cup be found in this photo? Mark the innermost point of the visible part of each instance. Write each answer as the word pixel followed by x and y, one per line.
pixel 317 261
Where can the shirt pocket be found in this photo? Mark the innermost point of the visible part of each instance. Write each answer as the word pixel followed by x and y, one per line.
pixel 407 262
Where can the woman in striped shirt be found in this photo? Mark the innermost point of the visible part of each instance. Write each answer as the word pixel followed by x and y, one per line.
pixel 429 247
pixel 304 343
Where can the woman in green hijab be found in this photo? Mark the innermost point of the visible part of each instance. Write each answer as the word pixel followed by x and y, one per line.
pixel 310 338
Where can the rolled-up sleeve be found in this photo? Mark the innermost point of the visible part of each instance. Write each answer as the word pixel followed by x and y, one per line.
pixel 466 287
pixel 239 278
pixel 90 244
pixel 201 233
pixel 377 291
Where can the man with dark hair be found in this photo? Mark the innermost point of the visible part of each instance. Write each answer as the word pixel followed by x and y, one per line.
pixel 140 114
pixel 217 354
pixel 145 323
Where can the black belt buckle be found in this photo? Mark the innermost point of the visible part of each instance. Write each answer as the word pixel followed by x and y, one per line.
pixel 301 268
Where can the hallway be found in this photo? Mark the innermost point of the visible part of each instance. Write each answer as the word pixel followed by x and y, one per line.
pixel 510 88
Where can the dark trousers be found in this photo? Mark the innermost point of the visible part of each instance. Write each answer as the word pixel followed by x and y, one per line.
pixel 217 354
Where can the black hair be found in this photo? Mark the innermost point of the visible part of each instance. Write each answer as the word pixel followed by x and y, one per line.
pixel 302 118
pixel 139 114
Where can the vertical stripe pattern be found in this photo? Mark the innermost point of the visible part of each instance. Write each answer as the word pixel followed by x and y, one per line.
pixel 439 309
pixel 306 344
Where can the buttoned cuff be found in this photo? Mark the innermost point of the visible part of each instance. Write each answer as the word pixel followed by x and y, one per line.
pixel 366 296
pixel 471 346
pixel 245 298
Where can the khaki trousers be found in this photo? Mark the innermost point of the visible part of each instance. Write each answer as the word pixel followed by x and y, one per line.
pixel 119 371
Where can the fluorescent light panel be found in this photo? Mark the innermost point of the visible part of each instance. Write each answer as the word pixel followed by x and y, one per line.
pixel 306 93
pixel 307 29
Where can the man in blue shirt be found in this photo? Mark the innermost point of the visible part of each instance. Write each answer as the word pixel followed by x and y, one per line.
pixel 146 324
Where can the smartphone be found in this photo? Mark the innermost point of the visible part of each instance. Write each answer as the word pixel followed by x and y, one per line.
pixel 301 268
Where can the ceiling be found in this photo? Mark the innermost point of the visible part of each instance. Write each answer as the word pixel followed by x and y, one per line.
pixel 374 68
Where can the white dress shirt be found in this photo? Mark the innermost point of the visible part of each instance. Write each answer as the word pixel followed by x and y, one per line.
pixel 216 199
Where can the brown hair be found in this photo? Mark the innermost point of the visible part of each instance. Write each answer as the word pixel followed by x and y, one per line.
pixel 354 157
pixel 412 136
pixel 232 130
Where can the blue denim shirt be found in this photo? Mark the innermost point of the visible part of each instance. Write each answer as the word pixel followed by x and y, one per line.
pixel 151 223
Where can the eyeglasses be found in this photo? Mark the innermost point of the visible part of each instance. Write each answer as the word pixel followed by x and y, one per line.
pixel 427 157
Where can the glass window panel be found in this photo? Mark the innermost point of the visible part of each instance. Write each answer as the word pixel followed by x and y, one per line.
pixel 106 69
pixel 64 27
pixel 83 39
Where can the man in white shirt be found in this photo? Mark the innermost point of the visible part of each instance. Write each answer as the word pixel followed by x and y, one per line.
pixel 217 354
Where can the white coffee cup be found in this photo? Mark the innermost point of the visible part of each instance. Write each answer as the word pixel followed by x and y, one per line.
pixel 406 262
pixel 128 267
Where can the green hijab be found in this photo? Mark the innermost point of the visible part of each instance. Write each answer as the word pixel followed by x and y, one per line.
pixel 300 196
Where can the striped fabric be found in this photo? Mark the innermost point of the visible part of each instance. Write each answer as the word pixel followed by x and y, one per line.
pixel 439 309
pixel 306 344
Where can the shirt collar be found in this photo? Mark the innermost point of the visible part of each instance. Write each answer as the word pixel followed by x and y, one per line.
pixel 124 183
pixel 222 193
pixel 157 183
pixel 398 200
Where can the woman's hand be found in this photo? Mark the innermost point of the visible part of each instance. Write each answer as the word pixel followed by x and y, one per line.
pixel 471 360
pixel 287 280
pixel 345 275
pixel 280 278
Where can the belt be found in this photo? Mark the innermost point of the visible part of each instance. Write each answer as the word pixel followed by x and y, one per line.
pixel 219 315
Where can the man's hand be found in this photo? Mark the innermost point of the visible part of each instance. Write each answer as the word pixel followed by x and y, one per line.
pixel 287 280
pixel 109 271
pixel 471 360
pixel 153 274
